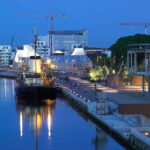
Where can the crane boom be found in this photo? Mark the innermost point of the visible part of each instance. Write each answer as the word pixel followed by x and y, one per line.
pixel 136 24
pixel 51 16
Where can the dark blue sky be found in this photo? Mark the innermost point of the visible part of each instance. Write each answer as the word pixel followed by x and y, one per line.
pixel 100 17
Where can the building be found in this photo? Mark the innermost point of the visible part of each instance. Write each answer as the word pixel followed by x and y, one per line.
pixel 94 52
pixel 42 49
pixel 5 55
pixel 66 40
pixel 79 51
pixel 138 62
pixel 24 52
pixel 71 63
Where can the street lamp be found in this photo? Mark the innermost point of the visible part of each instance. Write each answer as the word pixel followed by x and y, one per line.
pixel 66 64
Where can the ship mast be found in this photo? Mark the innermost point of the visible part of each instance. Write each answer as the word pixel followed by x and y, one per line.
pixel 35 41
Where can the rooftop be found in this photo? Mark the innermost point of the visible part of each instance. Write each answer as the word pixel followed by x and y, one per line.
pixel 74 32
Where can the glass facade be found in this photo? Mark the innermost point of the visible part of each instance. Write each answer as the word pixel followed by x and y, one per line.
pixel 66 40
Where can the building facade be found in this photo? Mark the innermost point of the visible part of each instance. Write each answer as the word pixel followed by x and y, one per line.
pixel 42 49
pixel 94 52
pixel 66 40
pixel 72 63
pixel 5 55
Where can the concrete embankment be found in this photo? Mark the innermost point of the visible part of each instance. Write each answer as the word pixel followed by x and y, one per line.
pixel 8 74
pixel 115 126
pixel 133 131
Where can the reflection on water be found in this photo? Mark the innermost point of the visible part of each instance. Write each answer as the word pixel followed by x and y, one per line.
pixel 7 90
pixel 43 125
pixel 100 140
pixel 21 123
pixel 36 114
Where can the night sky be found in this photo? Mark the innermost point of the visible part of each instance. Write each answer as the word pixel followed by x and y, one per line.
pixel 100 17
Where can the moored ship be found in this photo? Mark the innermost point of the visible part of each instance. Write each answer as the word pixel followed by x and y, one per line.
pixel 35 77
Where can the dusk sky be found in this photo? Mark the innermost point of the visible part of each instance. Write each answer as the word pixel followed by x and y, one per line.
pixel 100 17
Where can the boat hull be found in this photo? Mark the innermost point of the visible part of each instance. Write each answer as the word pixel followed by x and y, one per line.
pixel 36 91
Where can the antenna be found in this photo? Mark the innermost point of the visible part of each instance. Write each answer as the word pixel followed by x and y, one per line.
pixel 35 39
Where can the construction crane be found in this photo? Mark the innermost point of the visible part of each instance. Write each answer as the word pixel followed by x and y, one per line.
pixel 12 41
pixel 51 17
pixel 136 24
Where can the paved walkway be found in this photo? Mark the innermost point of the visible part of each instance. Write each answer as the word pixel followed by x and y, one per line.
pixel 86 89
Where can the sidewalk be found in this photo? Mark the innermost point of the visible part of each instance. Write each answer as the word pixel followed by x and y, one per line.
pixel 86 88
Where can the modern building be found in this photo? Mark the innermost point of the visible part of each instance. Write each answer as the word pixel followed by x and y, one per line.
pixel 66 40
pixel 71 63
pixel 94 52
pixel 5 55
pixel 25 52
pixel 138 62
pixel 79 51
pixel 42 49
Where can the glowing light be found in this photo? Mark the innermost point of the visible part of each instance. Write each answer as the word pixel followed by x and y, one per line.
pixel 146 133
pixel 49 122
pixel 113 71
pixel 20 61
pixel 48 61
pixel 21 124
pixel 39 121
pixel 53 66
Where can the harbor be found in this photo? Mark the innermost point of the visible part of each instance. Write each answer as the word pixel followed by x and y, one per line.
pixel 126 127
pixel 45 126
pixel 74 75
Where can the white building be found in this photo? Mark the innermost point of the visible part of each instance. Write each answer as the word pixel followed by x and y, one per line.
pixel 79 51
pixel 5 55
pixel 26 52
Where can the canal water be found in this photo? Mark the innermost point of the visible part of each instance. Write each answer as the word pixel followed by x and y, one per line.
pixel 47 126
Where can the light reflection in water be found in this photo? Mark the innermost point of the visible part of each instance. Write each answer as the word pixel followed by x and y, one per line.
pixel 36 114
pixel 21 124
pixel 49 122
pixel 13 87
pixel 5 87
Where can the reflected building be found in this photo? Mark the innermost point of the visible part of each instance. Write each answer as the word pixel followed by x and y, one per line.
pixel 101 140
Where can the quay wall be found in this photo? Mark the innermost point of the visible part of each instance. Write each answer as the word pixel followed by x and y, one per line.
pixel 8 74
pixel 89 108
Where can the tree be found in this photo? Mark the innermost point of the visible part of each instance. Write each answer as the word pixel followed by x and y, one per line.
pixel 94 74
pixel 106 72
pixel 120 48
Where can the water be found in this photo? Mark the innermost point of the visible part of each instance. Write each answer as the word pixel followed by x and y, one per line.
pixel 47 126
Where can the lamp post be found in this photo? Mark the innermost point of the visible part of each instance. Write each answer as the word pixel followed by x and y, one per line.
pixel 66 64
pixel 73 60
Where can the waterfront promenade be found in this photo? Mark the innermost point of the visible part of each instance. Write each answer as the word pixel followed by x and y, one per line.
pixel 87 89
